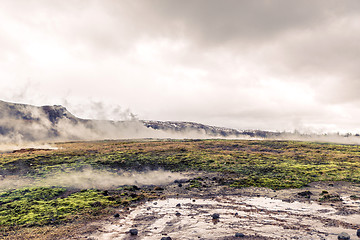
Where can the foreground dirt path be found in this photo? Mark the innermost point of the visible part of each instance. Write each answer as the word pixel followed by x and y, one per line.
pixel 257 213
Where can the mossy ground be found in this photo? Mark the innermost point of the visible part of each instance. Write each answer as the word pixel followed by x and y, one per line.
pixel 240 163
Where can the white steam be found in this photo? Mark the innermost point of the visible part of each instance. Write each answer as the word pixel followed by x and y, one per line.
pixel 91 178
pixel 330 138
pixel 24 125
pixel 12 182
pixel 19 146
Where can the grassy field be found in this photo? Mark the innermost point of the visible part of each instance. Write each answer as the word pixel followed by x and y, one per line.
pixel 240 163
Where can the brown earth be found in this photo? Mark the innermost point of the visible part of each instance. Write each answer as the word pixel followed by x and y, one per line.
pixel 258 213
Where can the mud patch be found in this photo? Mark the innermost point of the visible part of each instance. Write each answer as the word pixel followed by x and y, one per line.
pixel 255 217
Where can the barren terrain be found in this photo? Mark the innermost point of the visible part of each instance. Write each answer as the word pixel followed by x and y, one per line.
pixel 259 189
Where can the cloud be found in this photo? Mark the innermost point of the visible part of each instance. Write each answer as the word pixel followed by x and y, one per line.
pixel 270 64
pixel 219 22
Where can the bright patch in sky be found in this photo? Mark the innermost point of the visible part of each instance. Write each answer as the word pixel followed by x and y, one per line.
pixel 272 65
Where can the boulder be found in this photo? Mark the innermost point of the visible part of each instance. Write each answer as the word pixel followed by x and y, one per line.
pixel 344 236
pixel 239 235
pixel 133 231
pixel 184 180
pixel 305 194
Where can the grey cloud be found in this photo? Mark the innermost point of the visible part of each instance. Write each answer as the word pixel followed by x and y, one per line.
pixel 218 22
pixel 316 40
pixel 238 44
pixel 327 58
pixel 115 25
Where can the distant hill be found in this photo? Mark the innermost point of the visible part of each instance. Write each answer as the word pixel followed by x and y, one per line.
pixel 23 122
pixel 28 123
pixel 206 129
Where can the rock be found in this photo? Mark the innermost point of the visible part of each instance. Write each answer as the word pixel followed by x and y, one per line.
pixel 358 233
pixel 306 194
pixel 116 215
pixel 166 238
pixel 184 180
pixel 155 203
pixel 239 235
pixel 178 214
pixel 344 236
pixel 215 216
pixel 133 231
pixel 179 185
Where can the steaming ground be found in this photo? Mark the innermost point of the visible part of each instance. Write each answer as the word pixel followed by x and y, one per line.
pixel 91 178
pixel 258 213
pixel 13 182
pixel 15 147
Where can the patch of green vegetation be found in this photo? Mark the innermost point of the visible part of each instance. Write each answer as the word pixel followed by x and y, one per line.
pixel 52 205
pixel 39 206
pixel 274 164
pixel 195 183
pixel 237 163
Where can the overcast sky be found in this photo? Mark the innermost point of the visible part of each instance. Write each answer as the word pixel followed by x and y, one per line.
pixel 265 64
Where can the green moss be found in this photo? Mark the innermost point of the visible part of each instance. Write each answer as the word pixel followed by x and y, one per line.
pixel 237 163
pixel 276 164
pixel 195 183
pixel 39 206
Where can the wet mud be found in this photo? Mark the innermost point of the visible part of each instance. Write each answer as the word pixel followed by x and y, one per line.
pixel 249 213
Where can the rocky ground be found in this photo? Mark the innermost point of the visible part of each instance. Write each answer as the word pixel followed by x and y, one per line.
pixel 200 208
pixel 102 190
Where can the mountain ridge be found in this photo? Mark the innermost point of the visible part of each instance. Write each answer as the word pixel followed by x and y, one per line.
pixel 28 123
pixel 25 122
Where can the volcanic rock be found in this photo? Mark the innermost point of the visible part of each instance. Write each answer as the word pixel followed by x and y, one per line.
pixel 343 236
pixel 133 231
pixel 239 235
